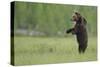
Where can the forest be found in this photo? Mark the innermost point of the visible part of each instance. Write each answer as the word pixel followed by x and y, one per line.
pixel 46 19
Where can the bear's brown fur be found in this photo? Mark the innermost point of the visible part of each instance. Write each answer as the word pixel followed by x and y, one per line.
pixel 80 31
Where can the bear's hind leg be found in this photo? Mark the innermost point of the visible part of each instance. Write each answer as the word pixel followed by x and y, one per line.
pixel 80 49
pixel 84 48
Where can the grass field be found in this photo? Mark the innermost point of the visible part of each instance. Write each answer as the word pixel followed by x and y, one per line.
pixel 40 50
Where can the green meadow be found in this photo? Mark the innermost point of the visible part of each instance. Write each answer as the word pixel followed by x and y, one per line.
pixel 42 50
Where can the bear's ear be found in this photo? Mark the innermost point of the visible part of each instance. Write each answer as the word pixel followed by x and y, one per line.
pixel 77 13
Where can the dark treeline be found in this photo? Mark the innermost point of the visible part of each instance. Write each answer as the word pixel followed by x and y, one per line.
pixel 50 19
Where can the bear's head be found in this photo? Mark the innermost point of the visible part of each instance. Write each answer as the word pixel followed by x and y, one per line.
pixel 76 17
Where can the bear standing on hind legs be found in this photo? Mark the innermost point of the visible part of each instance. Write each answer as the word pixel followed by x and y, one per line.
pixel 80 31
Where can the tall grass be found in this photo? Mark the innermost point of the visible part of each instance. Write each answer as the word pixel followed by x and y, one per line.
pixel 39 50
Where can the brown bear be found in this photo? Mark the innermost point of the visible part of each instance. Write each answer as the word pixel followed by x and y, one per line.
pixel 80 31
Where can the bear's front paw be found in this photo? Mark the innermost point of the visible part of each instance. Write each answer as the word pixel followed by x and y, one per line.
pixel 68 31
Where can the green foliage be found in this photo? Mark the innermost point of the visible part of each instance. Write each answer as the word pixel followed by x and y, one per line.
pixel 51 19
